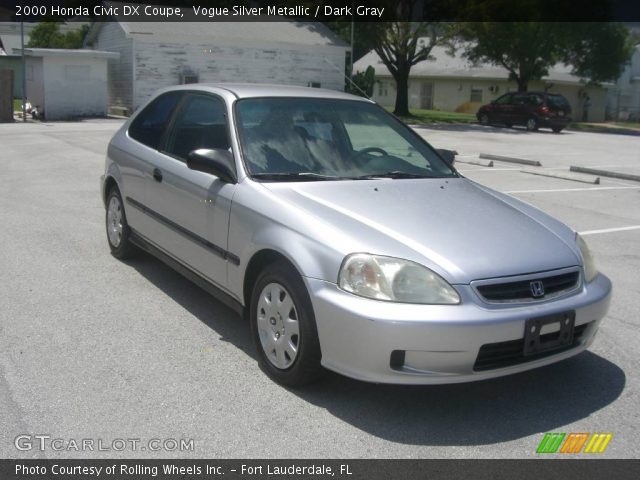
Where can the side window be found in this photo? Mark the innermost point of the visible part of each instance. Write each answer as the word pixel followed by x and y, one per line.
pixel 520 99
pixel 150 124
pixel 200 123
pixel 535 100
pixel 504 100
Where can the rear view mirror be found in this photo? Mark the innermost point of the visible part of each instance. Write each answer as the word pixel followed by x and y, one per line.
pixel 449 156
pixel 216 161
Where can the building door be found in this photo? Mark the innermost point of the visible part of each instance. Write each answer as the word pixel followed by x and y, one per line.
pixel 426 95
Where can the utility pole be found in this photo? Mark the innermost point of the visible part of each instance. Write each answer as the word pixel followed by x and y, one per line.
pixel 351 55
pixel 24 74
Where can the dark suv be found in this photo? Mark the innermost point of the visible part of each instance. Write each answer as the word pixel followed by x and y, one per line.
pixel 531 109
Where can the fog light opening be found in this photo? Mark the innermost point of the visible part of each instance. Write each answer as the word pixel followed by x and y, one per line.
pixel 396 361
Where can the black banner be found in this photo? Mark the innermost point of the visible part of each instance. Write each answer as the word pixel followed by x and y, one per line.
pixel 321 10
pixel 534 469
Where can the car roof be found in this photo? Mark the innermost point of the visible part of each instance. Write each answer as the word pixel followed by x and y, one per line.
pixel 253 90
pixel 535 92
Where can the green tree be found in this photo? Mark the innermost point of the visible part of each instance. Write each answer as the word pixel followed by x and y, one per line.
pixel 404 44
pixel 363 82
pixel 47 35
pixel 597 51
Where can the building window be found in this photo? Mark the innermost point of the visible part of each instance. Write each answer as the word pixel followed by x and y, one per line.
pixel 383 89
pixel 313 84
pixel 476 95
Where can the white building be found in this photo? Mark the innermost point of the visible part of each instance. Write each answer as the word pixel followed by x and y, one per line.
pixel 67 84
pixel 160 54
pixel 451 83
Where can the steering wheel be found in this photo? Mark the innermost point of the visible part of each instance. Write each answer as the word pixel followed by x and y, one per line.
pixel 364 151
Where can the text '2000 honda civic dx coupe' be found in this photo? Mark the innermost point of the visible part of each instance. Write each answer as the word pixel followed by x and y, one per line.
pixel 347 240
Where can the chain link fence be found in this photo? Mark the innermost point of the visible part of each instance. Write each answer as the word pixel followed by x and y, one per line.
pixel 623 105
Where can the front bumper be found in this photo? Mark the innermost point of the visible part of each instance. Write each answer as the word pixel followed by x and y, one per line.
pixel 440 342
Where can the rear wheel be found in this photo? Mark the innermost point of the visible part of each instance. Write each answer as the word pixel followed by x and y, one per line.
pixel 284 328
pixel 556 129
pixel 532 124
pixel 118 231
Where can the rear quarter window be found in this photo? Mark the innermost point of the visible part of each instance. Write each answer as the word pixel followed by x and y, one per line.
pixel 150 124
pixel 557 101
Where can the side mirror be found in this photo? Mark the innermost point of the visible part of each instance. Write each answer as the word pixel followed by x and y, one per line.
pixel 449 156
pixel 216 161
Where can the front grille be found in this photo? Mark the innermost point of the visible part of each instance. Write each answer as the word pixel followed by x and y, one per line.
pixel 520 291
pixel 506 354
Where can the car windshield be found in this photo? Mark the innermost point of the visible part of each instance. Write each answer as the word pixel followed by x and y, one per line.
pixel 309 139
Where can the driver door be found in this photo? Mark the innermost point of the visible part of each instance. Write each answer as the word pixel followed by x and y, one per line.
pixel 191 208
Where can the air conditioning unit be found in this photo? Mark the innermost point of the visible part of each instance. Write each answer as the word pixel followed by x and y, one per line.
pixel 186 78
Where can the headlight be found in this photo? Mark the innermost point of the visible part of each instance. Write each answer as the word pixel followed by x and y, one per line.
pixel 395 280
pixel 590 270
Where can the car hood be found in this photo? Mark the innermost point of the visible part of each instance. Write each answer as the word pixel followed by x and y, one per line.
pixel 463 231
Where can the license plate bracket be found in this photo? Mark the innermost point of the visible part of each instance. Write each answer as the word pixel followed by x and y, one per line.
pixel 536 342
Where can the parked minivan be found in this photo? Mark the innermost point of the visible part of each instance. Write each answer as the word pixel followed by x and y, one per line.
pixel 531 109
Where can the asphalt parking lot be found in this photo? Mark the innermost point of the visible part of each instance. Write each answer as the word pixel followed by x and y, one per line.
pixel 94 348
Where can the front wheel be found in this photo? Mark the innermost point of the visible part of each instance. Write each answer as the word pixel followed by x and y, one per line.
pixel 556 129
pixel 532 124
pixel 284 328
pixel 484 119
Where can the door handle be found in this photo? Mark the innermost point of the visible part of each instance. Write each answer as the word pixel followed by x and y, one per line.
pixel 157 175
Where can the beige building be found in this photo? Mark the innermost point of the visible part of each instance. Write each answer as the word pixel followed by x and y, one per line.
pixel 451 83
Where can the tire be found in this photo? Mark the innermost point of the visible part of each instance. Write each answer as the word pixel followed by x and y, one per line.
pixel 508 125
pixel 285 333
pixel 484 119
pixel 532 124
pixel 118 231
pixel 556 129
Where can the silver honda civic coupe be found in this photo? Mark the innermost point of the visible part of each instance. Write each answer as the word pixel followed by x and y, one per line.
pixel 347 241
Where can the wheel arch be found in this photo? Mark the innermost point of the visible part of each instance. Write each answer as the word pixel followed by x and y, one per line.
pixel 109 183
pixel 258 262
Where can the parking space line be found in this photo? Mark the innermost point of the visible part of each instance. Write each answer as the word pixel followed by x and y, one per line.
pixel 610 230
pixel 492 169
pixel 572 190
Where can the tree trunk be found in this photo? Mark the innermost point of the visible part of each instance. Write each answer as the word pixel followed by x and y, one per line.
pixel 523 84
pixel 402 93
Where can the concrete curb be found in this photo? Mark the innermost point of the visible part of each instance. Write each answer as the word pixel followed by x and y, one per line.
pixel 476 162
pixel 500 158
pixel 608 130
pixel 605 173
pixel 564 176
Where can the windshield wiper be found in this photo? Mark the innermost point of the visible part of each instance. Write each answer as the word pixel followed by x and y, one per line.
pixel 294 177
pixel 393 174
